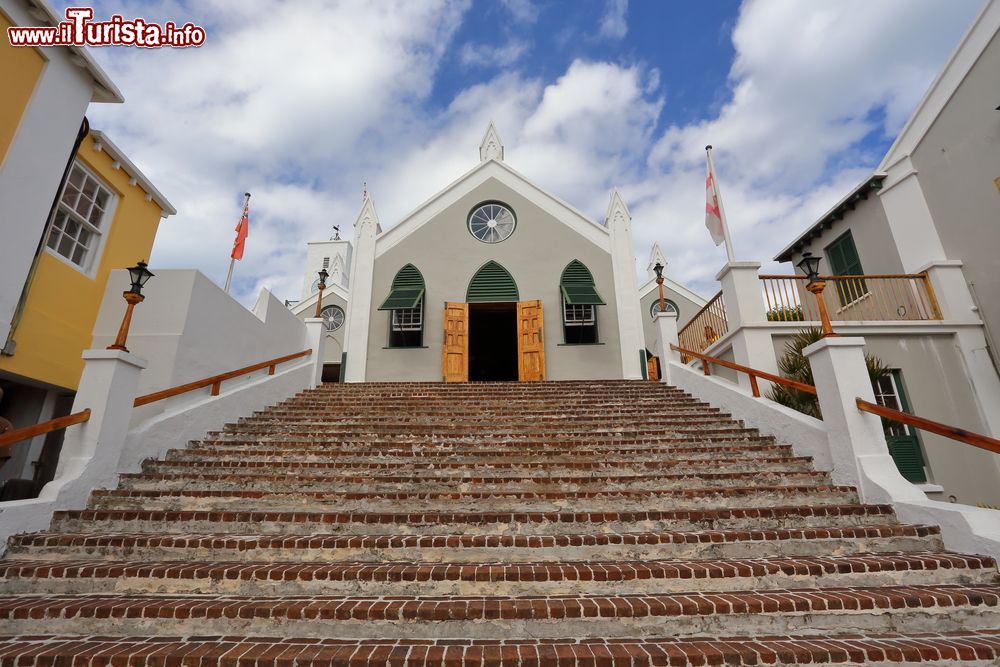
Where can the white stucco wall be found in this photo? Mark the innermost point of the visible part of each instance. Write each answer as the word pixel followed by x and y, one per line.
pixel 188 328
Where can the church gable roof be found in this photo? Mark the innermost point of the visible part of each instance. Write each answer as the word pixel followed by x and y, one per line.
pixel 493 169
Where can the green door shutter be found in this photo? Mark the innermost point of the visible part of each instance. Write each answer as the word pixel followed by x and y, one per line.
pixel 492 282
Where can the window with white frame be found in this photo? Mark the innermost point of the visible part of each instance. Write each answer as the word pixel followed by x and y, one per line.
pixel 579 323
pixel 407 326
pixel 80 218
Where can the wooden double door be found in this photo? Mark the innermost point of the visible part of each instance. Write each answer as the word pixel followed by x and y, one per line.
pixel 458 330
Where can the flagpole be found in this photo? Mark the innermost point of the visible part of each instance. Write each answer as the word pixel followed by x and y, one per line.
pixel 722 210
pixel 232 260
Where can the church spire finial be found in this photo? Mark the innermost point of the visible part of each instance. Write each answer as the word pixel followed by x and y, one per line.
pixel 491 147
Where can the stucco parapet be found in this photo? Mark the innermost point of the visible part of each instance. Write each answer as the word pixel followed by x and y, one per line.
pixel 120 355
pixel 741 265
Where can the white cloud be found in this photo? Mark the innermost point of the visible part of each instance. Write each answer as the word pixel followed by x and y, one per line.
pixel 523 11
pixel 613 23
pixel 482 55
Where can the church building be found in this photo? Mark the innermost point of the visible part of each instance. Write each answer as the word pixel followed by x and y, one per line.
pixel 492 278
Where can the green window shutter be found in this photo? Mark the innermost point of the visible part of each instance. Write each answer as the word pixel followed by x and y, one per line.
pixel 905 452
pixel 492 282
pixel 406 291
pixel 577 285
pixel 843 257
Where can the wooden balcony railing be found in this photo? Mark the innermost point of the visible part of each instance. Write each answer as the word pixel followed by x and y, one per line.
pixel 215 382
pixel 968 437
pixel 17 435
pixel 706 327
pixel 752 372
pixel 874 298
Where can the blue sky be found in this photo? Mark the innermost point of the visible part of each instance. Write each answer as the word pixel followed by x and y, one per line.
pixel 302 102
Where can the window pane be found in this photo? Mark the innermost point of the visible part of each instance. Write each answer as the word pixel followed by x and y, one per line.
pixel 70 195
pixel 53 239
pixel 85 236
pixel 65 246
pixel 71 228
pixel 102 198
pixel 60 220
pixel 95 217
pixel 79 254
pixel 90 188
pixel 83 206
pixel 76 176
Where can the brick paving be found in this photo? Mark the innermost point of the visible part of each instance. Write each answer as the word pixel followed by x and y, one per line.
pixel 575 523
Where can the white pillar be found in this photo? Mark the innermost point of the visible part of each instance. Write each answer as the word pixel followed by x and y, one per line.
pixel 366 228
pixel 857 442
pixel 746 318
pixel 630 338
pixel 316 340
pixel 666 334
pixel 108 388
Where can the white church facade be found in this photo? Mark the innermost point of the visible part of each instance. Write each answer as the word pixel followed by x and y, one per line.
pixel 492 278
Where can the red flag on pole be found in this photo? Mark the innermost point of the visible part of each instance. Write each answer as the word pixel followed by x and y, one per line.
pixel 715 215
pixel 242 231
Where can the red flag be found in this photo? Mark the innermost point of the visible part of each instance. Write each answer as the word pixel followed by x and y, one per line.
pixel 242 231
pixel 713 209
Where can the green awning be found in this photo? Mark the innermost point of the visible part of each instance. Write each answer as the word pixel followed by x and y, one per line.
pixel 402 297
pixel 581 294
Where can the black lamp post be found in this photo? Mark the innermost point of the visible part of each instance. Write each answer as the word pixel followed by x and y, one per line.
pixel 323 275
pixel 139 275
pixel 658 269
pixel 810 266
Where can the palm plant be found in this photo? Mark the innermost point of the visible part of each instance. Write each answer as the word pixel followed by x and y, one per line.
pixel 795 366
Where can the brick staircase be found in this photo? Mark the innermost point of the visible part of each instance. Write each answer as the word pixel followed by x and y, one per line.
pixel 591 523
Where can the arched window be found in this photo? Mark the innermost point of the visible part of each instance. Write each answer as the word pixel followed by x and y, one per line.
pixel 654 307
pixel 493 283
pixel 406 305
pixel 580 300
pixel 333 317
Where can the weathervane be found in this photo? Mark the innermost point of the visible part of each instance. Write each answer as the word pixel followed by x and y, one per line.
pixel 336 233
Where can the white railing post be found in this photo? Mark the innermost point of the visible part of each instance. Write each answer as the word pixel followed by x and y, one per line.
pixel 857 442
pixel 746 316
pixel 666 334
pixel 316 340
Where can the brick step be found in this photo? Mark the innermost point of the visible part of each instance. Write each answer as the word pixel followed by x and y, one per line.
pixel 319 452
pixel 493 431
pixel 513 422
pixel 756 496
pixel 493 578
pixel 423 484
pixel 967 647
pixel 529 448
pixel 908 609
pixel 449 409
pixel 643 545
pixel 300 522
pixel 376 469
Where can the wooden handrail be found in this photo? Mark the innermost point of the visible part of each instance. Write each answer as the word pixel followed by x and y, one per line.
pixel 752 372
pixel 215 382
pixel 968 437
pixel 873 276
pixel 19 434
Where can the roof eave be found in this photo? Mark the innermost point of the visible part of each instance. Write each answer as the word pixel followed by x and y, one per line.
pixel 116 153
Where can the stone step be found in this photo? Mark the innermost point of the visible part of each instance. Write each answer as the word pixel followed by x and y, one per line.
pixel 445 483
pixel 319 452
pixel 688 498
pixel 908 609
pixel 644 545
pixel 377 469
pixel 249 578
pixel 307 522
pixel 966 647
pixel 589 432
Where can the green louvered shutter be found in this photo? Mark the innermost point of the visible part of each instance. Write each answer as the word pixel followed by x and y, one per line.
pixel 577 285
pixel 406 291
pixel 492 283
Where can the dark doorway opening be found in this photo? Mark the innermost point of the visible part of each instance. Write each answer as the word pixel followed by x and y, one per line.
pixel 492 341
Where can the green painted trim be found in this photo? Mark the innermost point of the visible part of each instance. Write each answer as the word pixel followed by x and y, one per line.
pixel 401 298
pixel 642 364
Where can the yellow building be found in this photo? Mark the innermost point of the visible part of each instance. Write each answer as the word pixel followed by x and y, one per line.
pixel 105 218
